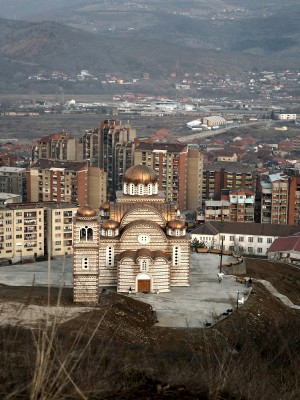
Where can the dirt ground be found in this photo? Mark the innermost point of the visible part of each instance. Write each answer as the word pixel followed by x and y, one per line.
pixel 116 351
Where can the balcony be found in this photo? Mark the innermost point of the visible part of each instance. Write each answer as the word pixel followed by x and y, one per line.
pixel 30 222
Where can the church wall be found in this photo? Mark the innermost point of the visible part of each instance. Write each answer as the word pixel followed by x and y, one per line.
pixel 85 280
pixel 158 241
pixel 143 213
pixel 180 274
pixel 127 272
pixel 160 273
pixel 86 263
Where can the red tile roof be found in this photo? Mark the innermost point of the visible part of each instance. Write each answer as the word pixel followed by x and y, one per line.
pixel 290 243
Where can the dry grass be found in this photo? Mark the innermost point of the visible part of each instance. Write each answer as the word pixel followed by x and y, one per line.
pixel 115 352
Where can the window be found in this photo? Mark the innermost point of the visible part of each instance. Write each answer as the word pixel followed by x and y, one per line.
pixel 259 240
pixel 85 263
pixel 241 238
pixel 231 248
pixel 259 250
pixel 250 239
pixel 109 256
pixel 141 189
pixel 269 240
pixel 144 265
pixel 231 238
pixel 57 213
pixel 8 244
pixel 176 255
pixel 8 237
pixel 250 249
pixel 241 249
pixel 19 221
pixel 143 239
pixel 18 236
pixel 57 242
pixel 131 188
pixel 7 229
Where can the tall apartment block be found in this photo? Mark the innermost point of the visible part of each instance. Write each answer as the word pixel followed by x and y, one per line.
pixel 58 146
pixel 32 230
pixel 294 201
pixel 236 206
pixel 222 175
pixel 13 180
pixel 179 168
pixel 110 148
pixel 66 181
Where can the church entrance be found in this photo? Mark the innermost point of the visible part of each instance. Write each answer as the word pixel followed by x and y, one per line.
pixel 144 285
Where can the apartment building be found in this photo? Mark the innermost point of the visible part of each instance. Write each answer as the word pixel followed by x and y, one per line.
pixel 294 201
pixel 179 168
pixel 58 146
pixel 111 148
pixel 235 206
pixel 32 230
pixel 13 180
pixel 66 181
pixel 222 175
pixel 280 199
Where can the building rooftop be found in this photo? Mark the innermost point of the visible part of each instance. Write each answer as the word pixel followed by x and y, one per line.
pixel 66 165
pixel 217 227
pixel 12 169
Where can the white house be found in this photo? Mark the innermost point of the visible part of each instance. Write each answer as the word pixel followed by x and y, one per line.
pixel 243 238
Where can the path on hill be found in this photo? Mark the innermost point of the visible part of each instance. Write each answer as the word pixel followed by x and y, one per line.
pixel 285 300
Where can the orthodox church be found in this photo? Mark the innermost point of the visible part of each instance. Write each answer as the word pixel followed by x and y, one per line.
pixel 137 244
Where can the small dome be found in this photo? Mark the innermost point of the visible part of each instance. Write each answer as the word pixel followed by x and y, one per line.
pixel 140 174
pixel 110 224
pixel 176 224
pixel 86 211
pixel 105 206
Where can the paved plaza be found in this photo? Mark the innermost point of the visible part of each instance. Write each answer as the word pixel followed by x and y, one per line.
pixel 192 306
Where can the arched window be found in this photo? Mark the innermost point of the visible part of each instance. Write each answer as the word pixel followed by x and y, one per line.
pixel 109 256
pixel 150 186
pixel 85 263
pixel 155 189
pixel 82 234
pixel 177 232
pixel 125 188
pixel 141 189
pixel 131 188
pixel 86 233
pixel 90 234
pixel 176 256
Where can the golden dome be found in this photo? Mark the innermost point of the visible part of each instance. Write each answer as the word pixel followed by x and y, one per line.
pixel 105 206
pixel 140 174
pixel 110 224
pixel 86 211
pixel 176 224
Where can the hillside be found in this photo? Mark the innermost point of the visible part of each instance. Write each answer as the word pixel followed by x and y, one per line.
pixel 117 352
pixel 133 38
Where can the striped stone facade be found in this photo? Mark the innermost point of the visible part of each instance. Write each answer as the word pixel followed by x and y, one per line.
pixel 138 243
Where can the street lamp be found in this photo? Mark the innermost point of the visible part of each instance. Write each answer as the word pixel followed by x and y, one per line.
pixel 237 298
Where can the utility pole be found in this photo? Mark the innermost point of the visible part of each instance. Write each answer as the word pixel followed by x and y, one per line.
pixel 221 256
